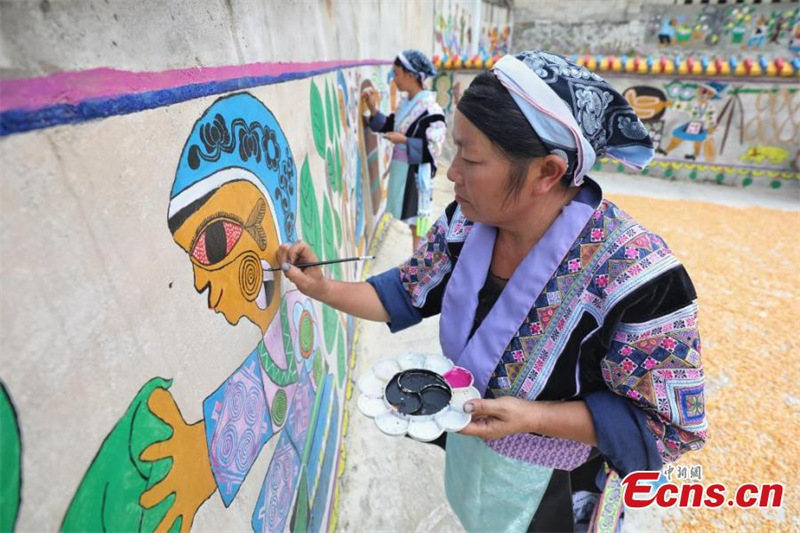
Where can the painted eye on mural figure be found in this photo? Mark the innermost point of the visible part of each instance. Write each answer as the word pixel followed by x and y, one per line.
pixel 216 241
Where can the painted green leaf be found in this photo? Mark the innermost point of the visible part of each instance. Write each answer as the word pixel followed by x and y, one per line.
pixel 341 358
pixel 330 168
pixel 317 119
pixel 328 238
pixel 288 346
pixel 309 211
pixel 337 169
pixel 330 321
pixel 299 521
pixel 10 464
pixel 328 231
pixel 329 110
pixel 338 227
pixel 337 112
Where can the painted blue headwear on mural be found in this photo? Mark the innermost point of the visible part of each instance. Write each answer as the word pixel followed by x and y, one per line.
pixel 236 139
pixel 576 113
pixel 716 87
pixel 418 63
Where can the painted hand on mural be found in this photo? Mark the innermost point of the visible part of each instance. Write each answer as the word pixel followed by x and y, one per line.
pixel 189 478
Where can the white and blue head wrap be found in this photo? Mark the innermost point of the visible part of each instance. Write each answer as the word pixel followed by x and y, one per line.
pixel 236 139
pixel 417 63
pixel 576 113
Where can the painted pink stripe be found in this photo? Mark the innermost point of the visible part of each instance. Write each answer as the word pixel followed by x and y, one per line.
pixel 75 87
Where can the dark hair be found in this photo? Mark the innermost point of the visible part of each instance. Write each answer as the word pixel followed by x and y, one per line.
pixel 490 107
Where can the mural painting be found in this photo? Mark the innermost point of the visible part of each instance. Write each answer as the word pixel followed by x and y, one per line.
pixel 495 35
pixel 452 27
pixel 238 195
pixel 740 26
pixel 728 132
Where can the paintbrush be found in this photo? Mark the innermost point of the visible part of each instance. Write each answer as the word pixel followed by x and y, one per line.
pixel 329 262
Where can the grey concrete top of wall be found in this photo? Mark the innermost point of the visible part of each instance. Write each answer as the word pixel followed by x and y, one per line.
pixel 45 36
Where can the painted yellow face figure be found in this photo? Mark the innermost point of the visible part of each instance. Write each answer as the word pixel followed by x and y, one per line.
pixel 231 241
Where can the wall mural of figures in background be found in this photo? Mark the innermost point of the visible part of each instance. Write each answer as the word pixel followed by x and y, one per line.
pixel 452 28
pixel 729 132
pixel 765 28
pixel 696 101
pixel 237 195
pixel 495 37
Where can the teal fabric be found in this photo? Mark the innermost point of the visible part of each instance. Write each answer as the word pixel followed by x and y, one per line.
pixel 108 496
pixel 488 491
pixel 395 190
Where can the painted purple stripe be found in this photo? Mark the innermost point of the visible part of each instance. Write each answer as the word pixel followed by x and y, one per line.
pixel 22 120
pixel 75 87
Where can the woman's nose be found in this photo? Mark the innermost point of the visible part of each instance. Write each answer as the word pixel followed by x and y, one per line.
pixel 452 173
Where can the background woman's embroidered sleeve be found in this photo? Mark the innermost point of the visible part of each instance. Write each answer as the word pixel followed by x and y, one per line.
pixel 435 134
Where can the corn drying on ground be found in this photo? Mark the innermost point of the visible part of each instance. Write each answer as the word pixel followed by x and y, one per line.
pixel 744 263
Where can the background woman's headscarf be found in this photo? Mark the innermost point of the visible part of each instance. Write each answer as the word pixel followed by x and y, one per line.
pixel 418 63
pixel 576 113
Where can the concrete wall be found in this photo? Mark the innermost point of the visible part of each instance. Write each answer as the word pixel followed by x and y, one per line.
pixel 45 36
pixel 100 292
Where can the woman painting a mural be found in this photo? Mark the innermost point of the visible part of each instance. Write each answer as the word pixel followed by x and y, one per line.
pixel 579 325
pixel 417 130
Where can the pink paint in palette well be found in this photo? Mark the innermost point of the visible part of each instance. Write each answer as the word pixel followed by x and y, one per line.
pixel 458 377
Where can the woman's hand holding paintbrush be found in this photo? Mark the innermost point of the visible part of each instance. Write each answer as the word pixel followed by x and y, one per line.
pixel 302 267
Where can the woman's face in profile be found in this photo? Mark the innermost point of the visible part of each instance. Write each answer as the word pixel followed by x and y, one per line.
pixel 231 239
pixel 403 78
pixel 480 174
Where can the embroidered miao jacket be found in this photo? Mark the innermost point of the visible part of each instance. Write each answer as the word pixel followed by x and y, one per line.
pixel 615 324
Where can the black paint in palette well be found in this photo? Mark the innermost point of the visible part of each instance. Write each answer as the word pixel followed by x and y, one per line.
pixel 418 392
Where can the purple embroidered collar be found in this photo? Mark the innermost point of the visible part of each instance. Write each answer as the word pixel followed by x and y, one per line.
pixel 481 353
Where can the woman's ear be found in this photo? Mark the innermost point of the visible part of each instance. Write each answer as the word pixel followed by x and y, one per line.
pixel 546 172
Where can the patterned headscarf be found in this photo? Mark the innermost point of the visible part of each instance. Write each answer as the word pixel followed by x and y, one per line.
pixel 418 63
pixel 575 112
pixel 237 138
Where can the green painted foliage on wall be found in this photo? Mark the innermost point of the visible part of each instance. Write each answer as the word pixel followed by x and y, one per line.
pixel 317 120
pixel 330 323
pixel 329 110
pixel 288 346
pixel 337 171
pixel 329 244
pixel 309 211
pixel 10 464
